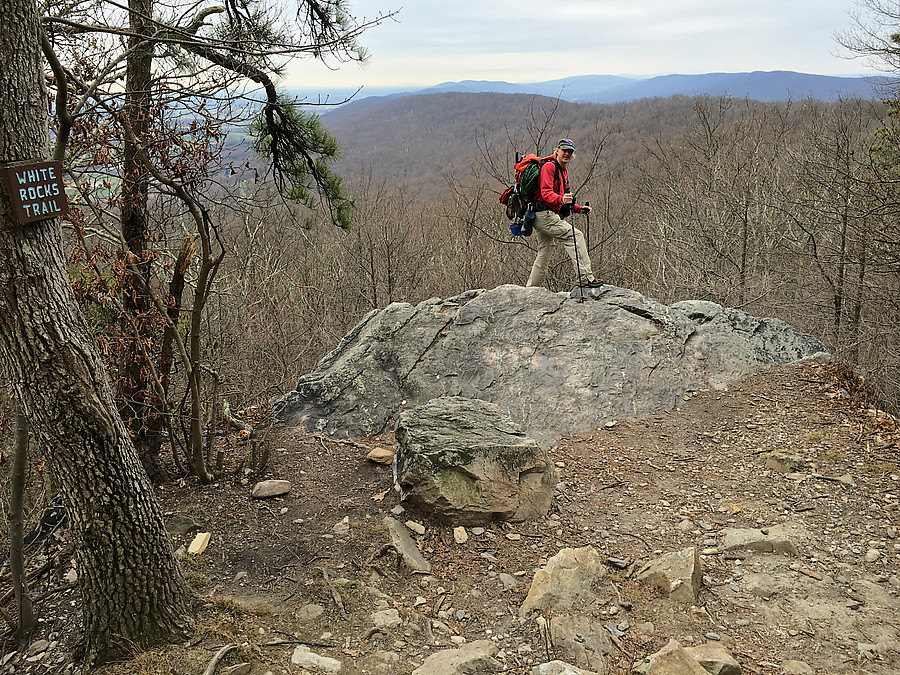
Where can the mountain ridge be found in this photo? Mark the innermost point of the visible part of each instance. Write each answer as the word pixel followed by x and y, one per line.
pixel 765 86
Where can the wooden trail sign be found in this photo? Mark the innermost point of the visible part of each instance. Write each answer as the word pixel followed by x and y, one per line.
pixel 35 190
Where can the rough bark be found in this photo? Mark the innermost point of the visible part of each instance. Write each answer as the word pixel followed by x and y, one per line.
pixel 24 606
pixel 132 589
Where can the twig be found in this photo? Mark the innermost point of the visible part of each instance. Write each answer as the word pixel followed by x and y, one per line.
pixel 53 591
pixel 38 572
pixel 339 441
pixel 636 536
pixel 234 421
pixel 211 668
pixel 281 643
pixel 334 592
pixel 380 552
pixel 611 485
pixel 372 631
pixel 617 643
pixel 9 620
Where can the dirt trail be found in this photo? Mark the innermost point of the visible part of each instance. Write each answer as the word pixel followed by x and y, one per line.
pixel 281 571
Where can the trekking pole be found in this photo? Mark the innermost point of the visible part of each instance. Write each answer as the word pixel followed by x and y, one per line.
pixel 577 264
pixel 587 227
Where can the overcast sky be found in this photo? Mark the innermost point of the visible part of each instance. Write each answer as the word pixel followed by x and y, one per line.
pixel 434 41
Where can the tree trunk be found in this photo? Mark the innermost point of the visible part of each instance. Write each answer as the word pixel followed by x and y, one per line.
pixel 138 405
pixel 132 589
pixel 24 606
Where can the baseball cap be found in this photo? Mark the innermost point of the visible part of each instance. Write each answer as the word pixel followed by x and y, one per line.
pixel 566 144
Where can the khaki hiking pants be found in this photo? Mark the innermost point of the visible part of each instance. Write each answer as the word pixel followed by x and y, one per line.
pixel 549 228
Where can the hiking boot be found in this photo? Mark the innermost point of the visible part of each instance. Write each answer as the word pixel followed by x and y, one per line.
pixel 596 283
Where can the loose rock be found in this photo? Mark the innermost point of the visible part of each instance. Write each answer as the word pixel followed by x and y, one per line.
pixel 797 668
pixel 305 658
pixel 566 579
pixel 465 461
pixel 559 668
pixel 381 456
pixel 756 540
pixel 715 659
pixel 475 657
pixel 270 488
pixel 670 660
pixel 460 536
pixel 199 544
pixel 676 574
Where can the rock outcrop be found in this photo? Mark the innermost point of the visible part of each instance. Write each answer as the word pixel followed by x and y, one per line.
pixel 555 365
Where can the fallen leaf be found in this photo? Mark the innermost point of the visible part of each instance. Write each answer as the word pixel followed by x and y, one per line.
pixel 380 495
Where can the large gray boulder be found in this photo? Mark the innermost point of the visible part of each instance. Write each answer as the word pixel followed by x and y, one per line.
pixel 464 461
pixel 555 365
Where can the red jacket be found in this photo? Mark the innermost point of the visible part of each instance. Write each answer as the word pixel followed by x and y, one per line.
pixel 552 185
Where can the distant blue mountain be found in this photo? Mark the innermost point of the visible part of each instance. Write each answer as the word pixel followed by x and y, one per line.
pixel 567 88
pixel 779 85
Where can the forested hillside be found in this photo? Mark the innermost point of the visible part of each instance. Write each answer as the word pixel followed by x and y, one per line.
pixel 421 140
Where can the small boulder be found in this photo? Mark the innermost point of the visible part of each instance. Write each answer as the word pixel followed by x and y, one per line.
pixel 773 541
pixel 381 456
pixel 201 541
pixel 179 525
pixel 38 647
pixel 715 659
pixel 266 489
pixel 508 580
pixel 763 586
pixel 785 462
pixel 305 658
pixel 475 657
pixel 797 668
pixel 675 574
pixel 578 640
pixel 670 660
pixel 559 668
pixel 567 579
pixel 386 618
pixel 466 462
pixel 402 541
pixel 309 613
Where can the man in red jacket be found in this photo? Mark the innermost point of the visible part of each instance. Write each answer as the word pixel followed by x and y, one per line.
pixel 553 203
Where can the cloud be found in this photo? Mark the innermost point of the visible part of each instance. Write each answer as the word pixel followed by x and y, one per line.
pixel 534 40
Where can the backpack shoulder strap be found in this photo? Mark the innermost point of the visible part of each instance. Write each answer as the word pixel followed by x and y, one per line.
pixel 552 158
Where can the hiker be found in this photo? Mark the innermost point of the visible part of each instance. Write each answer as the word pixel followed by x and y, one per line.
pixel 553 203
